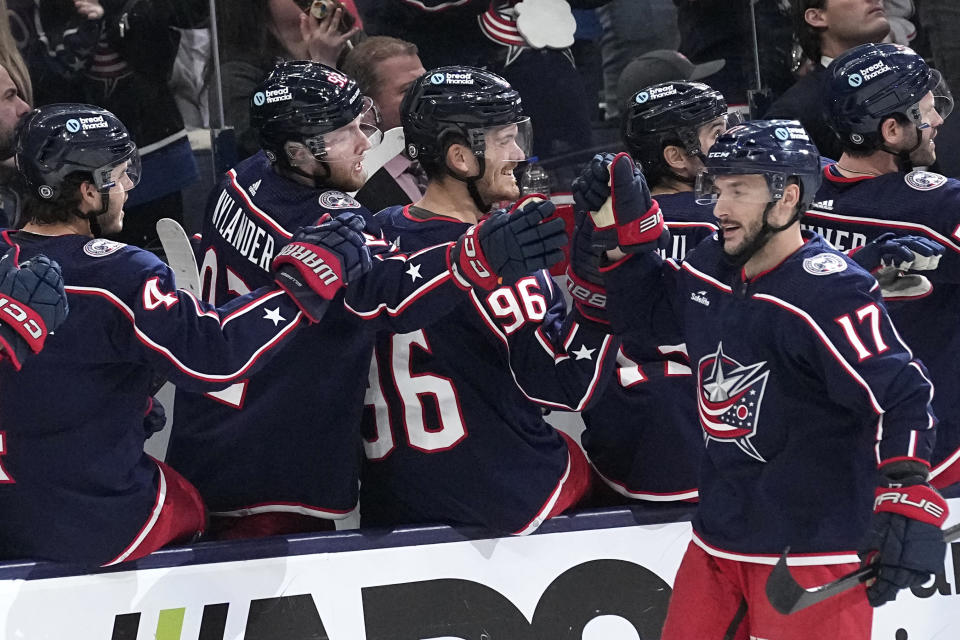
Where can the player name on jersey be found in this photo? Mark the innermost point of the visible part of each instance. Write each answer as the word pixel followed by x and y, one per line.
pixel 246 236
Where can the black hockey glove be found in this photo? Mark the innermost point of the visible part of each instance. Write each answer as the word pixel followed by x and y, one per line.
pixel 321 260
pixel 614 191
pixel 507 245
pixel 33 304
pixel 154 418
pixel 584 278
pixel 905 537
pixel 888 257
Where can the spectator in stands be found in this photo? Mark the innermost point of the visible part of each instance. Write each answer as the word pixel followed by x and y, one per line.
pixel 940 20
pixel 825 29
pixel 632 28
pixel 384 69
pixel 712 29
pixel 16 95
pixel 119 54
pixel 251 40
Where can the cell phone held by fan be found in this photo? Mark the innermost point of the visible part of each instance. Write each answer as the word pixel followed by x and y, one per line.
pixel 322 9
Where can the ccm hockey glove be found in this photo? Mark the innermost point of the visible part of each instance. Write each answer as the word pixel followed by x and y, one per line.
pixel 888 257
pixel 33 304
pixel 614 191
pixel 507 245
pixel 321 260
pixel 905 537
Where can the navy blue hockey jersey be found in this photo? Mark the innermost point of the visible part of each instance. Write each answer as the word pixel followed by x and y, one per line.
pixel 643 436
pixel 288 439
pixel 849 212
pixel 454 429
pixel 803 388
pixel 75 483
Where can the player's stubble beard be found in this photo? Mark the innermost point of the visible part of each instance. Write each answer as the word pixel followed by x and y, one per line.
pixel 755 236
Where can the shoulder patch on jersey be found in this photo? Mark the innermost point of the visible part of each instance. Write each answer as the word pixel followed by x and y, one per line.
pixel 924 180
pixel 823 264
pixel 100 247
pixel 337 200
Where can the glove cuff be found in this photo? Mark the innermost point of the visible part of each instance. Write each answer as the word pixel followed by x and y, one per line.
pixel 918 502
pixel 589 298
pixel 647 228
pixel 469 264
pixel 25 322
pixel 318 267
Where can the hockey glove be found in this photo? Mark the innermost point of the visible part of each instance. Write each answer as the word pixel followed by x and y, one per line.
pixel 33 303
pixel 614 191
pixel 584 279
pixel 887 257
pixel 321 260
pixel 905 537
pixel 508 245
pixel 155 418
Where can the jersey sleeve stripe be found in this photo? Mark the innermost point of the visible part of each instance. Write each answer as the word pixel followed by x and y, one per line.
pixel 648 496
pixel 704 277
pixel 260 213
pixel 886 224
pixel 254 304
pixel 421 291
pixel 151 344
pixel 285 507
pixel 148 526
pixel 821 334
pixel 443 6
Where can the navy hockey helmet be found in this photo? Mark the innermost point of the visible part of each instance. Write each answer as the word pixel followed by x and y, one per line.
pixel 775 149
pixel 82 141
pixel 669 113
pixel 306 102
pixel 451 103
pixel 872 82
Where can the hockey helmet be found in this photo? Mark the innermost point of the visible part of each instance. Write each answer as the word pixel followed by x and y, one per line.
pixel 871 82
pixel 56 141
pixel 311 103
pixel 670 113
pixel 461 104
pixel 775 149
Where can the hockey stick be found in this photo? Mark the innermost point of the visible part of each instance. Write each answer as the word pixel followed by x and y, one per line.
pixel 179 252
pixel 390 146
pixel 787 596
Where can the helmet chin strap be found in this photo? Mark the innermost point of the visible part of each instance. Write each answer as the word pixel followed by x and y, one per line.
pixel 766 232
pixel 93 217
pixel 471 182
pixel 902 157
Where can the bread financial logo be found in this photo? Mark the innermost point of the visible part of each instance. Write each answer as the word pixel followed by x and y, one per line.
pixel 729 396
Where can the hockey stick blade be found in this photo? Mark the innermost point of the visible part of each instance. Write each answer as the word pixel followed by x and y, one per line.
pixel 787 596
pixel 179 253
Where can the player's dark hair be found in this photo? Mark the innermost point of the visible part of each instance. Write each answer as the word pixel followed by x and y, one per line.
pixel 807 35
pixel 64 208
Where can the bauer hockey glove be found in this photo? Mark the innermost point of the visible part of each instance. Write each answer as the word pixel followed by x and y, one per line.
pixel 584 278
pixel 508 245
pixel 888 256
pixel 33 304
pixel 321 260
pixel 614 191
pixel 905 538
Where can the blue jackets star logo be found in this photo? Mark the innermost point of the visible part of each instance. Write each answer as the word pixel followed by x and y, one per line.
pixel 729 396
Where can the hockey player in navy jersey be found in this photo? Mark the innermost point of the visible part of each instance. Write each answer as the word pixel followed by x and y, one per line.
pixel 454 429
pixel 280 452
pixel 804 392
pixel 75 484
pixel 642 437
pixel 886 105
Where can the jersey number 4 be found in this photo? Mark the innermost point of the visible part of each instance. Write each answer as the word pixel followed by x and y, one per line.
pixel 413 390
